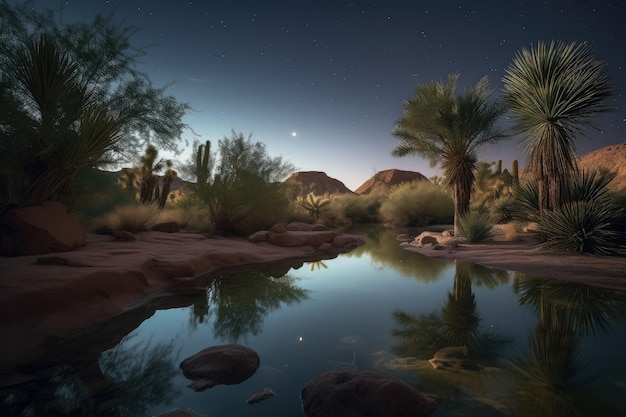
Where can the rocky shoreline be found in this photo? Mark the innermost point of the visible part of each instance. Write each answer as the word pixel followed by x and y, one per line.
pixel 50 296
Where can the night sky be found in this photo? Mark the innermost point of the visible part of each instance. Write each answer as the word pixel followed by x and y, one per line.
pixel 322 82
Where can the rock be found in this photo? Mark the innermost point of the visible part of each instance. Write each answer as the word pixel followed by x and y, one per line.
pixel 364 393
pixel 292 239
pixel 348 241
pixel 428 240
pixel 264 394
pixel 306 227
pixel 447 233
pixel 215 365
pixel 403 237
pixel 260 236
pixel 454 357
pixel 123 235
pixel 279 228
pixel 40 229
pixel 180 412
pixel 167 227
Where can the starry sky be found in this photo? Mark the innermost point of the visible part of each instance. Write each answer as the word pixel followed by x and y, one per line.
pixel 321 82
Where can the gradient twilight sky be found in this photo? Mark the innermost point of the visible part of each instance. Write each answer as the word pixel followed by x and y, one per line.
pixel 321 83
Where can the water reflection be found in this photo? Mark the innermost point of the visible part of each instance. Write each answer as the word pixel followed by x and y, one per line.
pixel 238 303
pixel 457 323
pixel 551 379
pixel 385 251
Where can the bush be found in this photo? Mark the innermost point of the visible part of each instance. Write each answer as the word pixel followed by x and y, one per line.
pixel 130 217
pixel 348 209
pixel 502 209
pixel 475 226
pixel 418 203
pixel 581 226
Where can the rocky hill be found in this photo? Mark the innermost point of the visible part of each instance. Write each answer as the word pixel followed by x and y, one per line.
pixel 383 181
pixel 612 157
pixel 318 183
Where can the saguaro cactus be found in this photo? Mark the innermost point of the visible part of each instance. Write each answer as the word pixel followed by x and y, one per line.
pixel 515 172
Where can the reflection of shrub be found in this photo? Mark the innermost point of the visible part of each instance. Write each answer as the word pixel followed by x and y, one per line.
pixel 475 226
pixel 347 209
pixel 418 203
pixel 130 217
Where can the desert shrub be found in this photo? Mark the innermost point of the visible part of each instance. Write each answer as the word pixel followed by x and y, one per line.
pixel 581 226
pixel 502 209
pixel 418 203
pixel 190 215
pixel 130 217
pixel 348 209
pixel 475 226
pixel 589 223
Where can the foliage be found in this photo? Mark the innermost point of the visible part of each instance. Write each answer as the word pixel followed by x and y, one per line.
pixel 418 203
pixel 52 125
pixel 348 209
pixel 106 61
pixel 476 226
pixel 239 184
pixel 448 129
pixel 131 218
pixel 553 92
pixel 587 224
pixel 313 203
pixel 145 178
pixel 502 209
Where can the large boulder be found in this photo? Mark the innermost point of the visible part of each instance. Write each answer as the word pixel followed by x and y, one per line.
pixel 215 365
pixel 40 229
pixel 364 393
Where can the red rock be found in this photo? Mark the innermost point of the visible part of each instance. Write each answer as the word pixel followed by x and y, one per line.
pixel 168 227
pixel 364 393
pixel 293 239
pixel 260 236
pixel 40 229
pixel 215 365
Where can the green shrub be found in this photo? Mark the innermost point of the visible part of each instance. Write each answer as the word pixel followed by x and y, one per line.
pixel 348 209
pixel 418 203
pixel 502 209
pixel 581 226
pixel 130 217
pixel 475 226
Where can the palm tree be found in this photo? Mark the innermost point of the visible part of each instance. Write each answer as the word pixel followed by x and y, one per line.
pixel 553 92
pixel 448 129
pixel 53 128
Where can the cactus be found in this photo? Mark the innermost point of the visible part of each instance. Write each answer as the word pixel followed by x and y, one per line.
pixel 515 172
pixel 499 166
pixel 203 169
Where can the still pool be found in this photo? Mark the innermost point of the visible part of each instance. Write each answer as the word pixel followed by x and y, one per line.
pixel 542 347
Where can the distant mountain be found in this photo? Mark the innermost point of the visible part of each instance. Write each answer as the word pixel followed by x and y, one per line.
pixel 383 181
pixel 612 157
pixel 318 183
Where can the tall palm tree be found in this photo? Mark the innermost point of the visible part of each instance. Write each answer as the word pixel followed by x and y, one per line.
pixel 553 92
pixel 448 129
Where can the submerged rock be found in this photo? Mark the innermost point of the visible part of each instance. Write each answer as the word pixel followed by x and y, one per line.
pixel 215 365
pixel 264 394
pixel 364 393
pixel 454 357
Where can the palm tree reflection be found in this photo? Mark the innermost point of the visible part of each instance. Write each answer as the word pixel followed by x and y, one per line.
pixel 551 380
pixel 238 303
pixel 458 322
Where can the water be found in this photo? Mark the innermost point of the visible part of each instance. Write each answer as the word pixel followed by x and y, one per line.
pixel 544 347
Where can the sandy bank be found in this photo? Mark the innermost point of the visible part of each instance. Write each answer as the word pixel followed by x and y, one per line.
pixel 523 256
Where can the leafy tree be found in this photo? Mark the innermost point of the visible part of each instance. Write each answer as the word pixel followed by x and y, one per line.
pixel 448 129
pixel 51 126
pixel 240 184
pixel 106 61
pixel 553 92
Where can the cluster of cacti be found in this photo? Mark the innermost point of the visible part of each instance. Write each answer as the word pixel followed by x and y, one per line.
pixel 147 181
